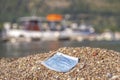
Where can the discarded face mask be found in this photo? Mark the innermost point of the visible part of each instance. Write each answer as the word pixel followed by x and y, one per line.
pixel 60 62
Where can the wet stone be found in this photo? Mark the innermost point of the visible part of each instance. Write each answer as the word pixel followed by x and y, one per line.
pixel 94 64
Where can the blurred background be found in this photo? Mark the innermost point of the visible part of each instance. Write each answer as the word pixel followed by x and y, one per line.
pixel 34 26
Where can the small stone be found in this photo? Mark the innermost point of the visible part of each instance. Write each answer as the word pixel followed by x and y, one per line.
pixel 38 68
pixel 109 75
pixel 115 77
pixel 82 78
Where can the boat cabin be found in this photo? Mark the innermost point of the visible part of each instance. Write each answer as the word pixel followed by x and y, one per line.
pixel 31 23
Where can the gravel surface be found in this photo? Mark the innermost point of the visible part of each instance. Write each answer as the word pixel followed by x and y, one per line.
pixel 94 64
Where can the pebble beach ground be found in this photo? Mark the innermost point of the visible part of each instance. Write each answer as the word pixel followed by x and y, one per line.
pixel 94 64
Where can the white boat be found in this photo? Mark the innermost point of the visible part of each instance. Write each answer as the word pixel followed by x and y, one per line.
pixel 38 28
pixel 28 29
pixel 83 32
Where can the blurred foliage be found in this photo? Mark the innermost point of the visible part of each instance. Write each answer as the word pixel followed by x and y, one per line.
pixel 1 25
pixel 103 14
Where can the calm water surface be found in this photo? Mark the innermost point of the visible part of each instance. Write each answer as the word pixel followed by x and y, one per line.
pixel 28 48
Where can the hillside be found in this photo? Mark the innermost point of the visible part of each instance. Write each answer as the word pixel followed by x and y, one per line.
pixel 92 9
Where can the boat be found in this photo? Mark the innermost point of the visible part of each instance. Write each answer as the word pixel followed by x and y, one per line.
pixel 49 28
pixel 83 32
pixel 34 28
pixel 28 29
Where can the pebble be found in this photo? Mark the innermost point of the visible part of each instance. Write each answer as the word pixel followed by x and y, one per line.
pixel 109 75
pixel 115 77
pixel 94 64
